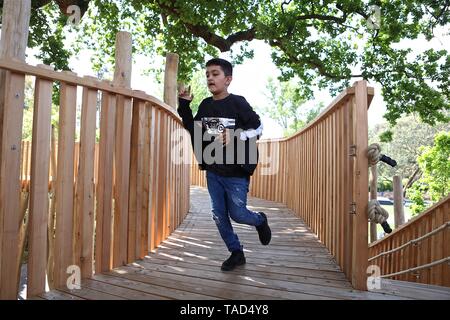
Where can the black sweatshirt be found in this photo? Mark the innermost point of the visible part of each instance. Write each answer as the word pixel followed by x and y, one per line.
pixel 234 113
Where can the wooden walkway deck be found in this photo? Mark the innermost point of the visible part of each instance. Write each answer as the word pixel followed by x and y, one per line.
pixel 187 266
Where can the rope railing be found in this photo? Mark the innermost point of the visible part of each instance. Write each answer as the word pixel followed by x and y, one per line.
pixel 414 241
pixel 424 266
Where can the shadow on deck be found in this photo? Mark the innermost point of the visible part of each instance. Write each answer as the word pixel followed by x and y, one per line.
pixel 296 265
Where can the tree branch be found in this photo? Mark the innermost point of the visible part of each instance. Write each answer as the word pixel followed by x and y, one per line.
pixel 324 17
pixel 204 32
pixel 413 178
pixel 312 63
pixel 217 41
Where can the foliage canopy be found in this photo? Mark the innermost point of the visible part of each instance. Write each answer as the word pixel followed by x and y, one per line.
pixel 314 41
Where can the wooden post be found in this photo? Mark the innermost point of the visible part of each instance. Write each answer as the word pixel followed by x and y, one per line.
pixel 170 79
pixel 361 183
pixel 373 196
pixel 122 72
pixel 14 39
pixel 13 42
pixel 122 78
pixel 399 214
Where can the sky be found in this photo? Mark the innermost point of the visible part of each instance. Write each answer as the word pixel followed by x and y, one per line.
pixel 250 78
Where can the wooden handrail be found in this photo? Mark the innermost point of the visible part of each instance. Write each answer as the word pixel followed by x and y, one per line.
pixel 87 82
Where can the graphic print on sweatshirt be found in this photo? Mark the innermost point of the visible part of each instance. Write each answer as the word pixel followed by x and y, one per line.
pixel 215 125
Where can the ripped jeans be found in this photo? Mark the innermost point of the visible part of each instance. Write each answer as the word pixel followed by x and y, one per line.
pixel 229 200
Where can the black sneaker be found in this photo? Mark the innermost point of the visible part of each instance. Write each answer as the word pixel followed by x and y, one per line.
pixel 264 231
pixel 237 258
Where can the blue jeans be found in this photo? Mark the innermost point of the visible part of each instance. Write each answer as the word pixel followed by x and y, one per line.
pixel 229 200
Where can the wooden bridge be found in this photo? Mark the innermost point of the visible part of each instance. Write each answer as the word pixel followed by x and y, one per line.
pixel 133 220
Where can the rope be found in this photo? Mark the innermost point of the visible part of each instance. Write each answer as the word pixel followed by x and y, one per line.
pixel 376 213
pixel 374 153
pixel 414 241
pixel 424 266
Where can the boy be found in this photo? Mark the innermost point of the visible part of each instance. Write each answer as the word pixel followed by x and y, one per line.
pixel 229 159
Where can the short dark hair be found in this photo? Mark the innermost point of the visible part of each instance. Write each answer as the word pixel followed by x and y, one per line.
pixel 224 64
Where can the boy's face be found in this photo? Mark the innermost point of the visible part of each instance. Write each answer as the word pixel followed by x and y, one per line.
pixel 217 81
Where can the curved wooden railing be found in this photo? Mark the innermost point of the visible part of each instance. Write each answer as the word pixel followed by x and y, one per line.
pixel 419 250
pixel 111 206
pixel 321 173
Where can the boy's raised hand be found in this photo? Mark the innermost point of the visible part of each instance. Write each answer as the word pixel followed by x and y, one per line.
pixel 185 93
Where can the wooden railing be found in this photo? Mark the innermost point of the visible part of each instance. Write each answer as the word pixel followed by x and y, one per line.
pixel 129 197
pixel 25 167
pixel 419 250
pixel 321 173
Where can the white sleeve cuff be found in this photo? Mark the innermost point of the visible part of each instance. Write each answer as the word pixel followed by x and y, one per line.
pixel 248 134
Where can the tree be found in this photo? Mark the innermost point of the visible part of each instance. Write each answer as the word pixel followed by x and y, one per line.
pixel 314 41
pixel 199 89
pixel 435 181
pixel 285 106
pixel 408 136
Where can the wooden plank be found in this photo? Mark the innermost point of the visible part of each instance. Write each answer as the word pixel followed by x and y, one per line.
pixel 348 187
pixel 136 181
pixel 103 231
pixel 266 273
pixel 255 281
pixel 160 214
pixel 141 290
pixel 172 259
pixel 187 283
pixel 85 205
pixel 122 170
pixel 439 243
pixel 153 126
pixel 446 239
pixel 155 187
pixel 64 255
pixel 155 285
pixel 89 294
pixel 119 291
pixel 10 184
pixel 52 213
pixel 359 197
pixel 169 178
pixel 341 197
pixel 58 295
pixel 179 161
pixel 38 210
